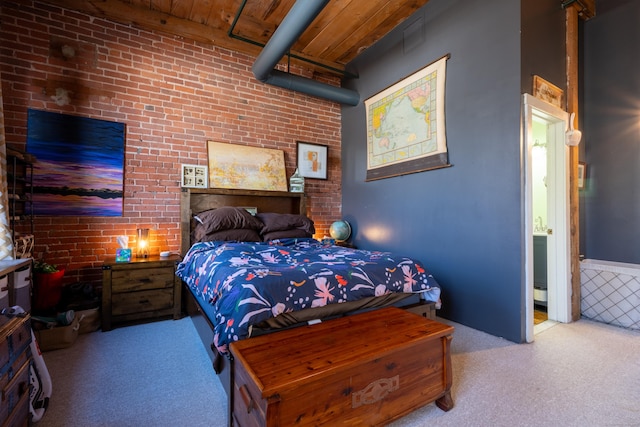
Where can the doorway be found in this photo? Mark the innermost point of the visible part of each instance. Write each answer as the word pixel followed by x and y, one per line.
pixel 546 161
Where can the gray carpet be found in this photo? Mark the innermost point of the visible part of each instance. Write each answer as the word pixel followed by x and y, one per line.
pixel 154 374
pixel 579 374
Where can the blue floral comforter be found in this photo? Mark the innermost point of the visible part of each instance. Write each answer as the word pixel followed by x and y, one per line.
pixel 250 282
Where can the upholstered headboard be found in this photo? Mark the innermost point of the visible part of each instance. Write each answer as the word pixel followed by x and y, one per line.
pixel 194 201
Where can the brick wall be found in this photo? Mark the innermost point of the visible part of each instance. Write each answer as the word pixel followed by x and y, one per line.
pixel 173 95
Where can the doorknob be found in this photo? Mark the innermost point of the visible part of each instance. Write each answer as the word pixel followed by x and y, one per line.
pixel 549 231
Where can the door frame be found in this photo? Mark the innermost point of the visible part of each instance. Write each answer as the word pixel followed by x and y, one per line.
pixel 559 274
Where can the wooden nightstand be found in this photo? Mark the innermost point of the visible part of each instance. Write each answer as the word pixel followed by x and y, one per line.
pixel 144 288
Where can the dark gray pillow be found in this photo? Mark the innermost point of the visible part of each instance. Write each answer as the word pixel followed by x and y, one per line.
pixel 221 219
pixel 281 222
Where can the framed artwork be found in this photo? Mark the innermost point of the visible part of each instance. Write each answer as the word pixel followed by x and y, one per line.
pixel 406 125
pixel 582 175
pixel 312 160
pixel 80 164
pixel 546 91
pixel 194 176
pixel 245 167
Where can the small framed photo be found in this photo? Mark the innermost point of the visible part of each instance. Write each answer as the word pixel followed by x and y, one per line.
pixel 582 175
pixel 194 176
pixel 312 160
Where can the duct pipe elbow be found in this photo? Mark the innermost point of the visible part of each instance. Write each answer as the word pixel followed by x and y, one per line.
pixel 313 88
pixel 300 16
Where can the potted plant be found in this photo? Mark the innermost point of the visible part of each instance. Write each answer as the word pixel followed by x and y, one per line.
pixel 47 285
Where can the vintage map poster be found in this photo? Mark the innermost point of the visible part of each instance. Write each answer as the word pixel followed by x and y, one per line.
pixel 406 126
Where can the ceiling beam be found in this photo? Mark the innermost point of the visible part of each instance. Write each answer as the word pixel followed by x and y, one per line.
pixel 148 19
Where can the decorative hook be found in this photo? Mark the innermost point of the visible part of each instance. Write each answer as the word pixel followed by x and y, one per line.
pixel 572 136
pixel 572 120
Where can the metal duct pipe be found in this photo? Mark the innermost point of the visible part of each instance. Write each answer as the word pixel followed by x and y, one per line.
pixel 300 16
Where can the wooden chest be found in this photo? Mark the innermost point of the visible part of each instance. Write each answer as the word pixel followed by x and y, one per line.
pixel 365 369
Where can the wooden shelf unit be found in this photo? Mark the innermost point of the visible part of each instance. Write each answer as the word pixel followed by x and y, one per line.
pixel 20 191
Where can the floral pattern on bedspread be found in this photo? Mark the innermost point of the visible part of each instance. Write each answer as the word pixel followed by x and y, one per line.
pixel 250 282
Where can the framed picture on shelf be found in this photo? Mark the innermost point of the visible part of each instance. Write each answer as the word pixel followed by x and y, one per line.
pixel 194 176
pixel 312 160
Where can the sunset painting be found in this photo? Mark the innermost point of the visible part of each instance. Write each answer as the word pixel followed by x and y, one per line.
pixel 79 164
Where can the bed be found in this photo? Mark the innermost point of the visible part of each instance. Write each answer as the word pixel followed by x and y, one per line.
pixel 305 280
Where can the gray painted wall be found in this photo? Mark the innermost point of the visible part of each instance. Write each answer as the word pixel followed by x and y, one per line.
pixel 464 222
pixel 611 139
pixel 543 43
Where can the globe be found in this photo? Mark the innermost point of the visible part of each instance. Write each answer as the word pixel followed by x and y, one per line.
pixel 340 230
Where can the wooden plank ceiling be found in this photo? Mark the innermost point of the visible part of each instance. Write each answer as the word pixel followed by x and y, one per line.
pixel 344 29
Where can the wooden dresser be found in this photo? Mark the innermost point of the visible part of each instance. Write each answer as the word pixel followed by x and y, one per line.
pixel 15 361
pixel 365 369
pixel 143 288
pixel 15 283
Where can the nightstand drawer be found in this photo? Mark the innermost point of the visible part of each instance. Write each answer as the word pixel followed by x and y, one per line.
pixel 141 279
pixel 135 302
